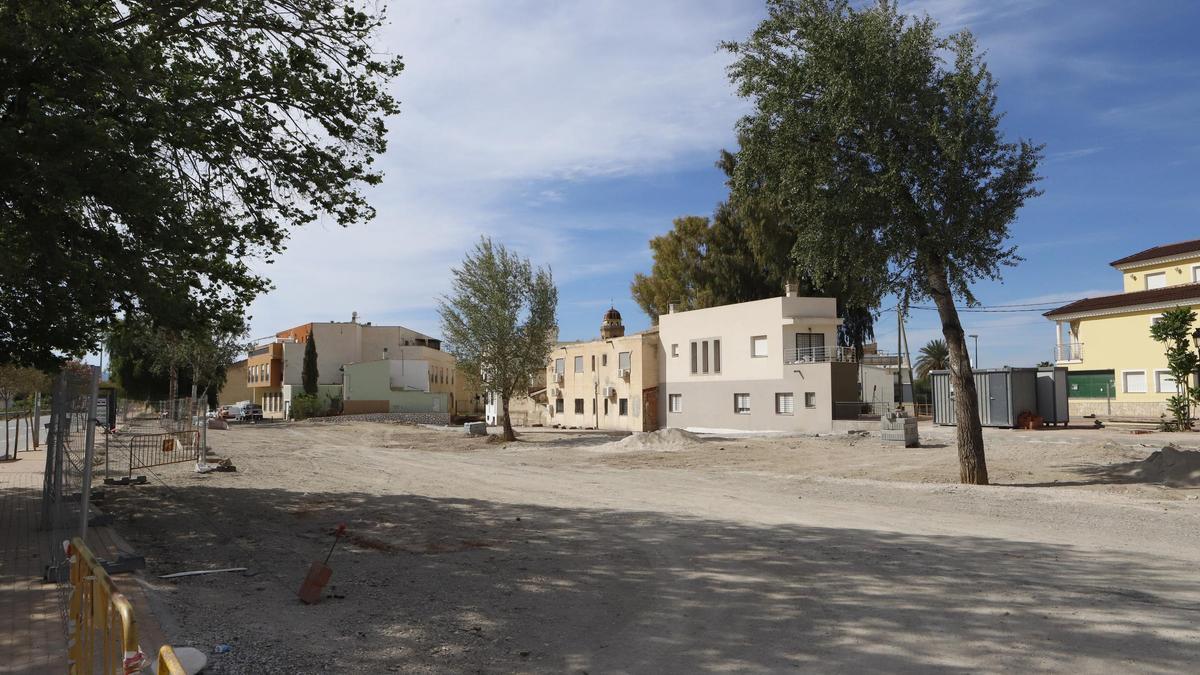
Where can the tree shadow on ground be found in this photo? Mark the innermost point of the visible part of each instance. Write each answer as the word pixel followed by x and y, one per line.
pixel 461 585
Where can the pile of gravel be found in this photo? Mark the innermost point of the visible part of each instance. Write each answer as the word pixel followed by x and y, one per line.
pixel 1170 466
pixel 663 439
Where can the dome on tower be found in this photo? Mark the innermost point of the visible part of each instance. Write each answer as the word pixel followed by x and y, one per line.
pixel 612 326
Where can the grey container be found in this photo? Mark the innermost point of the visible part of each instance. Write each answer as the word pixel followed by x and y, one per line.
pixel 1004 393
pixel 1052 395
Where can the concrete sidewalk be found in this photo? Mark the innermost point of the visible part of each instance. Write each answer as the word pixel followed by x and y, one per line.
pixel 32 620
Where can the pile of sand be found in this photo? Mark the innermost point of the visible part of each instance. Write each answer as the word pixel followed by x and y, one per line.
pixel 661 440
pixel 1169 466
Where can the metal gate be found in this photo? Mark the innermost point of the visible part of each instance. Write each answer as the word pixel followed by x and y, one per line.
pixel 172 447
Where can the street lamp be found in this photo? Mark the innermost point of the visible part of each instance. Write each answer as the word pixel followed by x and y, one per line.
pixel 976 339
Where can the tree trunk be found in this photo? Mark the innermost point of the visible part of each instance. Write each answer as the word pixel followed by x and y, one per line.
pixel 173 391
pixel 509 434
pixel 972 467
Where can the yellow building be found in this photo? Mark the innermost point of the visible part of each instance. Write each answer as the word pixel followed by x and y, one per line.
pixel 1115 367
pixel 610 383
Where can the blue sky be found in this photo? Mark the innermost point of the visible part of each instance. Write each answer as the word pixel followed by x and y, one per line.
pixel 574 132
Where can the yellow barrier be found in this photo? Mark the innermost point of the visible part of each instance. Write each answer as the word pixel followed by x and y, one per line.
pixel 102 628
pixel 167 663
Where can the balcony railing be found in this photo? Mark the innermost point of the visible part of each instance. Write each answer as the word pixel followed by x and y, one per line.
pixel 818 355
pixel 1071 351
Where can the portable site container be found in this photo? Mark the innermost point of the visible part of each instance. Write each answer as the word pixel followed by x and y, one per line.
pixel 1004 393
pixel 1052 395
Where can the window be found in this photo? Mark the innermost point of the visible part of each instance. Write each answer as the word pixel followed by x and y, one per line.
pixel 578 406
pixel 810 347
pixel 593 363
pixel 1164 383
pixel 1156 280
pixel 701 349
pixel 674 351
pixel 558 405
pixel 675 403
pixel 741 404
pixel 1134 381
pixel 603 360
pixel 625 360
pixel 606 407
pixel 810 399
pixel 579 364
pixel 784 404
pixel 622 406
pixel 1196 274
pixel 758 346
pixel 560 366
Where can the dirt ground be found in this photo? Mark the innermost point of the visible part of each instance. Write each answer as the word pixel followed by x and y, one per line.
pixel 580 552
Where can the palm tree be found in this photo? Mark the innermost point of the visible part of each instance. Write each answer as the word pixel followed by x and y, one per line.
pixel 934 356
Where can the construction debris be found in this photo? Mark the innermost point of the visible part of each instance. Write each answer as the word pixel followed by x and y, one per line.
pixel 194 573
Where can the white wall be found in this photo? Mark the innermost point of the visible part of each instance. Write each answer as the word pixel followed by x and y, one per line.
pixel 410 375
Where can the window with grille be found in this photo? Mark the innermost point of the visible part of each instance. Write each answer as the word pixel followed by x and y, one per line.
pixel 624 360
pixel 784 404
pixel 558 405
pixel 623 406
pixel 578 406
pixel 810 399
pixel 675 403
pixel 741 404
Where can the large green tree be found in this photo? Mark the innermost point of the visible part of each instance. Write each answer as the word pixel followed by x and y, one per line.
pixel 148 148
pixel 879 140
pixel 499 321
pixel 741 254
pixel 151 362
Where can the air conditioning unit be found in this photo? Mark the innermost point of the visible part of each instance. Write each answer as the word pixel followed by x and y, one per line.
pixel 610 392
pixel 623 373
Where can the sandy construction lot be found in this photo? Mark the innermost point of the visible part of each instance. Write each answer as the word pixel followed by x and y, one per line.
pixel 580 552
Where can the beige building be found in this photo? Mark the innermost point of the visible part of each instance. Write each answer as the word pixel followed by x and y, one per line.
pixel 610 383
pixel 767 365
pixel 236 387
pixel 274 369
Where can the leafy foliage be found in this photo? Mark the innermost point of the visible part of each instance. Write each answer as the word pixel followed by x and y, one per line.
pixel 879 141
pixel 738 256
pixel 150 147
pixel 933 356
pixel 499 321
pixel 152 362
pixel 309 373
pixel 305 406
pixel 1174 328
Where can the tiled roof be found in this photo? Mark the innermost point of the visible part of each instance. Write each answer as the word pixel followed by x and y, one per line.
pixel 1132 299
pixel 1178 248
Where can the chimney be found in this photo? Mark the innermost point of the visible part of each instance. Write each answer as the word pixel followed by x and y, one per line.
pixel 789 289
pixel 671 308
pixel 353 317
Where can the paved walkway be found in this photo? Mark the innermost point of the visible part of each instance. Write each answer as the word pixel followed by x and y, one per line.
pixel 32 625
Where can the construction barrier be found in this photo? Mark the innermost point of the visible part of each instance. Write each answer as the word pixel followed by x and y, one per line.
pixel 101 628
pixel 147 450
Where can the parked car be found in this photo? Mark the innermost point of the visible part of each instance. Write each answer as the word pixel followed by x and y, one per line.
pixel 251 412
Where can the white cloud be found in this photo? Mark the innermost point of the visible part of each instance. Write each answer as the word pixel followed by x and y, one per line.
pixel 499 99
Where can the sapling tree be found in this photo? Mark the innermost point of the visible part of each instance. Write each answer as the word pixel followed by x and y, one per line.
pixel 499 321
pixel 1174 328
pixel 880 141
